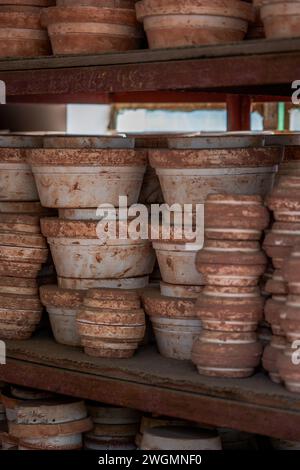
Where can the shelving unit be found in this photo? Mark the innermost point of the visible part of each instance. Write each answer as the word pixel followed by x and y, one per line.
pixel 237 73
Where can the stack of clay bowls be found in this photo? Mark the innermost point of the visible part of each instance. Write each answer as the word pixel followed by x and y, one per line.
pixel 21 31
pixel 173 320
pixel 231 306
pixel 111 323
pixel 56 424
pixel 114 428
pixel 281 18
pixel 92 26
pixel 77 175
pixel 23 249
pixel 193 167
pixel 193 22
pixel 284 201
pixel 289 317
pixel 180 438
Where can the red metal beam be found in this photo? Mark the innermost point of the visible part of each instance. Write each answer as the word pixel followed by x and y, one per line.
pixel 238 113
pixel 228 73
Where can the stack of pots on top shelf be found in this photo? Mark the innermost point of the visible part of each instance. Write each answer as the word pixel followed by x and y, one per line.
pixel 284 202
pixel 77 175
pixel 21 31
pixel 188 170
pixel 231 306
pixel 23 249
pixel 90 26
pixel 169 23
pixel 281 18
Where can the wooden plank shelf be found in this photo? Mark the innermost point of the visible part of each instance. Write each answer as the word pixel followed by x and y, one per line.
pixel 250 67
pixel 155 384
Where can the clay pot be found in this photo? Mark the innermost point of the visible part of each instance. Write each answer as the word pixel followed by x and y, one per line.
pixel 290 318
pixel 20 269
pixel 174 323
pixel 21 32
pixel 291 271
pixel 271 356
pixel 290 371
pixel 177 263
pixel 180 438
pixel 13 396
pixel 85 284
pixel 193 23
pixel 176 290
pixel 280 241
pixel 276 284
pixel 86 172
pixel 16 178
pixel 224 354
pixel 54 425
pixel 62 306
pixel 18 286
pixel 97 3
pixel 78 253
pixel 230 308
pixel 193 168
pixel 285 199
pixel 19 315
pixel 92 442
pixel 231 263
pixel 234 217
pixel 111 323
pixel 281 18
pixel 18 247
pixel 80 29
pixel 273 309
pixel 106 414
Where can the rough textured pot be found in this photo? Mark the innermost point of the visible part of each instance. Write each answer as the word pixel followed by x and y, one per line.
pixel 16 178
pixel 291 271
pixel 231 263
pixel 18 286
pixel 85 284
pixel 289 371
pixel 106 414
pixel 284 199
pixel 176 290
pixel 280 240
pixel 177 263
pixel 111 323
pixel 62 306
pixel 276 284
pixel 91 29
pixel 78 253
pixel 271 356
pixel 21 32
pixel 180 438
pixel 19 315
pixel 290 318
pixel 230 308
pixel 86 172
pixel 96 3
pixel 20 269
pixel 193 168
pixel 174 323
pixel 224 354
pixel 13 396
pixel 21 247
pixel 281 18
pixel 273 309
pixel 235 217
pixel 193 23
pixel 19 223
pixel 56 424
